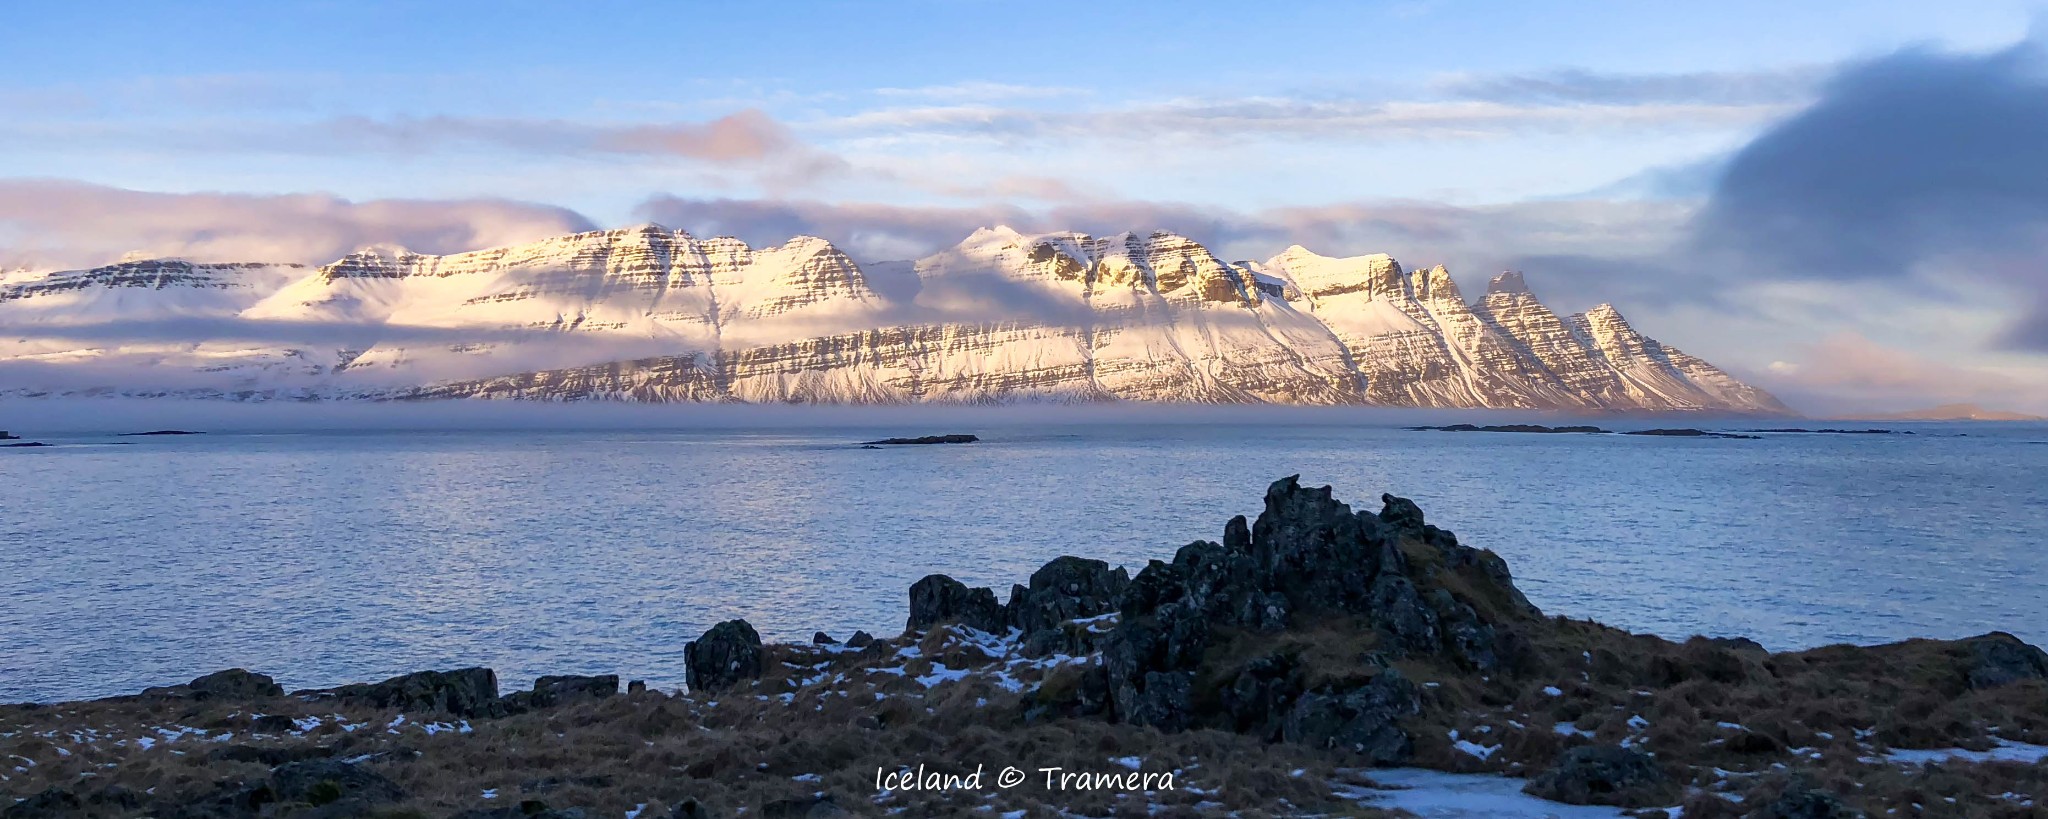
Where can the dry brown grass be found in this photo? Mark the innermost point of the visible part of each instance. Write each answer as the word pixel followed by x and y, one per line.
pixel 814 725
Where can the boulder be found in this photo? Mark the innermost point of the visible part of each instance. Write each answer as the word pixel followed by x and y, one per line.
pixel 860 639
pixel 1803 801
pixel 809 807
pixel 465 692
pixel 1069 691
pixel 232 684
pixel 324 781
pixel 1364 720
pixel 823 639
pixel 271 755
pixel 1605 775
pixel 551 691
pixel 727 655
pixel 49 803
pixel 690 808
pixel 1998 659
pixel 938 598
pixel 1064 590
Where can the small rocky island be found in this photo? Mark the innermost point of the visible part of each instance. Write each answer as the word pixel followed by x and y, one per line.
pixel 1591 430
pixel 1276 672
pixel 927 439
pixel 160 432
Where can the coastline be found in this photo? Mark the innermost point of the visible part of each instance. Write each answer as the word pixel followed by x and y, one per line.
pixel 1315 639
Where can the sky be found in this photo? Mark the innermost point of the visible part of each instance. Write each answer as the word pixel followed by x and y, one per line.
pixel 1842 202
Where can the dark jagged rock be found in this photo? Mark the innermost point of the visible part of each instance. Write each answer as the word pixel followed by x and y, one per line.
pixel 928 439
pixel 466 692
pixel 232 684
pixel 1605 775
pixel 57 802
pixel 549 784
pixel 320 782
pixel 1363 719
pixel 690 808
pixel 810 807
pixel 1081 691
pixel 727 655
pixel 1737 644
pixel 271 723
pixel 271 755
pixel 1998 659
pixel 1538 428
pixel 49 803
pixel 636 687
pixel 823 639
pixel 938 599
pixel 1803 801
pixel 549 692
pixel 860 639
pixel 1204 641
pixel 1688 433
pixel 1066 589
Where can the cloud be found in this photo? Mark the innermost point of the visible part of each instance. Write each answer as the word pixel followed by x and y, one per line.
pixel 975 90
pixel 741 137
pixel 1922 171
pixel 1578 251
pixel 51 223
pixel 749 142
pixel 1254 117
pixel 1850 371
pixel 1578 86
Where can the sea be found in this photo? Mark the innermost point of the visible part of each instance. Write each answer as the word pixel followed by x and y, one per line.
pixel 324 549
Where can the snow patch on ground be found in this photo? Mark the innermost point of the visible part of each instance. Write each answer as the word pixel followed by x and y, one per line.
pixel 1438 795
pixel 2006 751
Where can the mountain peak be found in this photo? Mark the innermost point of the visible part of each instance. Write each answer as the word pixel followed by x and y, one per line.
pixel 1508 282
pixel 1147 315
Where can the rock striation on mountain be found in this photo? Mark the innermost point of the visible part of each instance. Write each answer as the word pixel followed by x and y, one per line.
pixel 653 314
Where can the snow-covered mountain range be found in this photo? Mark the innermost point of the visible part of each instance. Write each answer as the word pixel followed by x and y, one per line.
pixel 653 314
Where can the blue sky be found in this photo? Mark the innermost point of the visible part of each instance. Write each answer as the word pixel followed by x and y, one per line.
pixel 118 93
pixel 1575 139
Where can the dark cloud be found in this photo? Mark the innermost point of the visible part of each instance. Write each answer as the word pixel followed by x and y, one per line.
pixel 1921 170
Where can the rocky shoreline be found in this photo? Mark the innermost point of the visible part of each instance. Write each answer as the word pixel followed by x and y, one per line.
pixel 1268 674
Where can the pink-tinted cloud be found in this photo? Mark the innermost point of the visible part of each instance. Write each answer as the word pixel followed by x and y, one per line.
pixel 742 137
pixel 1853 372
pixel 50 223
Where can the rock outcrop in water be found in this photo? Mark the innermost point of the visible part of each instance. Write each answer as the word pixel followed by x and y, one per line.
pixel 925 439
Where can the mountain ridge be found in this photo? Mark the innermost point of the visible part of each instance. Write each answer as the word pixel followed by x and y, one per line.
pixel 649 313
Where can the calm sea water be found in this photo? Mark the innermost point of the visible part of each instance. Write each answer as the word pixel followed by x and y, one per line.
pixel 325 558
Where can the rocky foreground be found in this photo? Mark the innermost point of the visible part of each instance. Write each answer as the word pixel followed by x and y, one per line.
pixel 1275 673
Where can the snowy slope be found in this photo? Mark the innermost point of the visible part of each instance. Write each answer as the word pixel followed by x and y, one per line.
pixel 652 314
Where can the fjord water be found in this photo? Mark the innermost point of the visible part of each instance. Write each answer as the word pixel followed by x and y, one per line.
pixel 329 557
